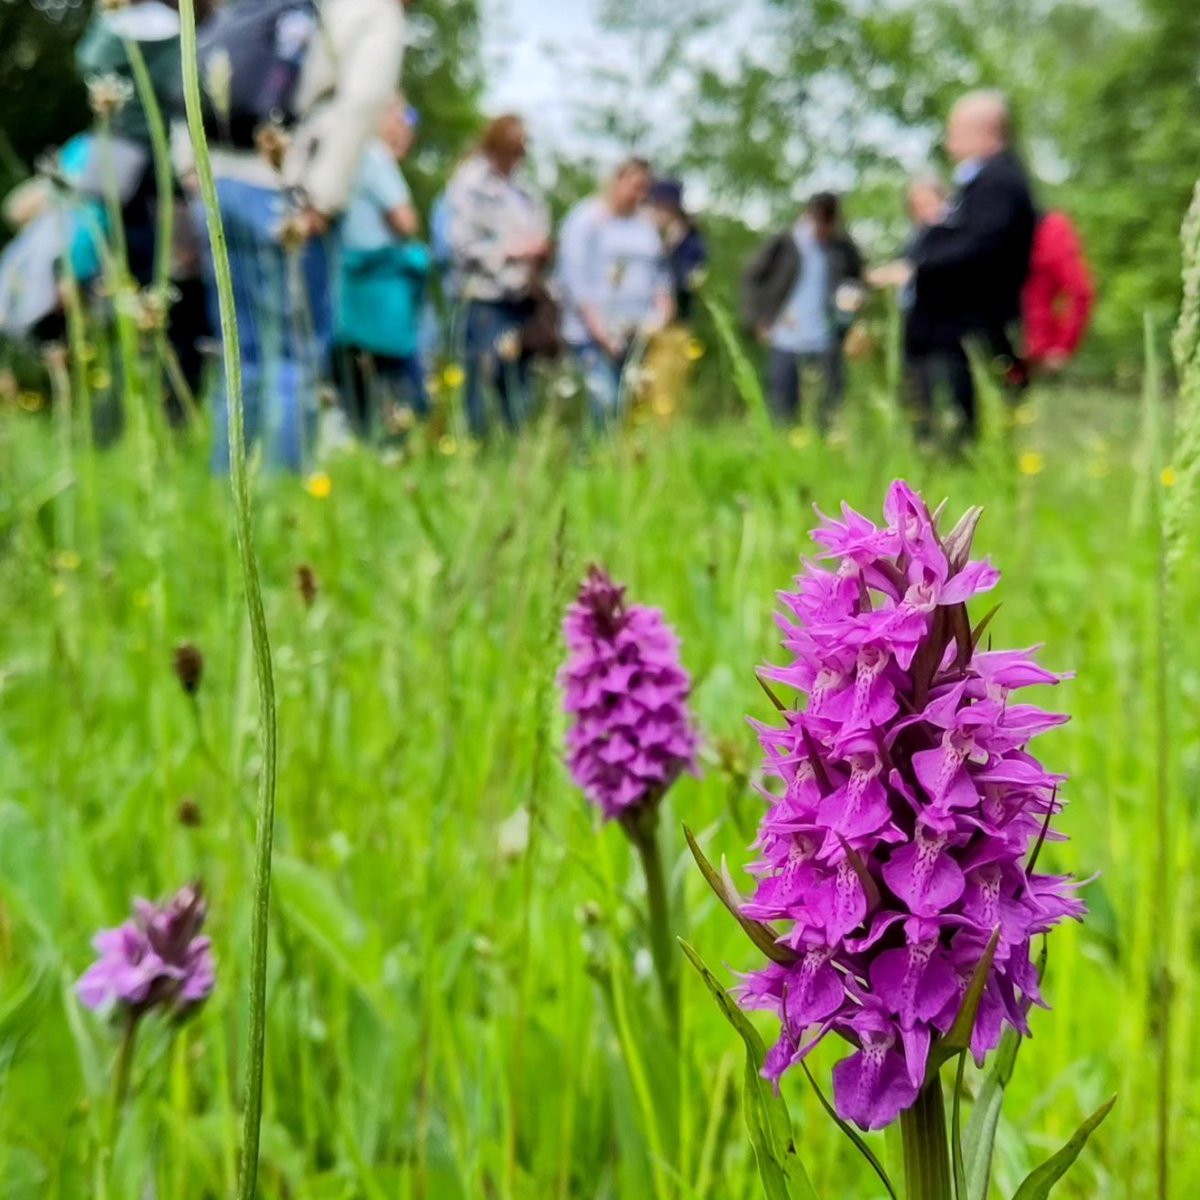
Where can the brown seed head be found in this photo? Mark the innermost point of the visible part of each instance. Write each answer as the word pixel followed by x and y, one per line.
pixel 307 584
pixel 188 665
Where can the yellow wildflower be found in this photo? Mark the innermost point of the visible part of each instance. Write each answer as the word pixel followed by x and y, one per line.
pixel 800 437
pixel 695 350
pixel 453 376
pixel 1031 462
pixel 67 560
pixel 1168 476
pixel 318 485
pixel 447 445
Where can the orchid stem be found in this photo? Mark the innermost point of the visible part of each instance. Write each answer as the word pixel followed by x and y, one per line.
pixel 642 830
pixel 926 1150
pixel 120 1090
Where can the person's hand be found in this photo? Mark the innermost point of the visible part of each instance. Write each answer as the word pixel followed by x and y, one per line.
pixel 530 249
pixel 891 275
pixel 314 223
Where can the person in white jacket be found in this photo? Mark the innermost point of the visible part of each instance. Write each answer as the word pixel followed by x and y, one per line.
pixel 278 204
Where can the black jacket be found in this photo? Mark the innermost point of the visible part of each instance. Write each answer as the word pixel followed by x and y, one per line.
pixel 771 274
pixel 971 267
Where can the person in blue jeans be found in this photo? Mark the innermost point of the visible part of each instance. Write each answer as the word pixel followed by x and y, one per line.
pixel 281 210
pixel 282 300
pixel 499 236
pixel 614 282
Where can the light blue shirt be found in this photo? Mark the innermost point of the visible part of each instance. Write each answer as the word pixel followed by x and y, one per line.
pixel 379 188
pixel 805 326
pixel 613 264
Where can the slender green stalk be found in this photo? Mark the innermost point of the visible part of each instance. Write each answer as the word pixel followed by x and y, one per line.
pixel 926 1150
pixel 120 1088
pixel 643 833
pixel 240 481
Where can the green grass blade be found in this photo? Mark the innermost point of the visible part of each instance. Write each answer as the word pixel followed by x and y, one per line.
pixel 782 1173
pixel 1038 1184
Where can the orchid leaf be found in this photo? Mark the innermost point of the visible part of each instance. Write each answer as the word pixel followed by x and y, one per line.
pixel 984 622
pixel 766 687
pixel 853 1134
pixel 779 1167
pixel 761 935
pixel 956 1147
pixel 958 1037
pixel 1037 1185
pixel 980 1139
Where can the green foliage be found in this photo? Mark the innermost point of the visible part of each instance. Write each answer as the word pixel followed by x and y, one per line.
pixel 1039 1184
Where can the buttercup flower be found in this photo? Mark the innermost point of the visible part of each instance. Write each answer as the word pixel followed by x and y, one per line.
pixel 156 960
pixel 900 849
pixel 626 694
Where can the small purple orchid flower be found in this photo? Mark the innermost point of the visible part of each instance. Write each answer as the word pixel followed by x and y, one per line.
pixel 895 861
pixel 157 960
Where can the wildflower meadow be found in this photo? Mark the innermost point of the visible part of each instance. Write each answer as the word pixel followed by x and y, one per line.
pixel 463 992
pixel 691 806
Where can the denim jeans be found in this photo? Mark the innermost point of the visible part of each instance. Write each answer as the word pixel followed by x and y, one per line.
pixel 490 324
pixel 602 382
pixel 784 377
pixel 368 383
pixel 284 315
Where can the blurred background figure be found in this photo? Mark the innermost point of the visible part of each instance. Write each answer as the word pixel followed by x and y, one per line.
pixel 971 265
pixel 934 357
pixel 668 358
pixel 302 103
pixel 383 269
pixel 615 284
pixel 151 29
pixel 684 246
pixel 1059 296
pixel 799 293
pixel 498 229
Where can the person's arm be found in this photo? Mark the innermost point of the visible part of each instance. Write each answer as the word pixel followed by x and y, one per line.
pixel 367 60
pixel 951 247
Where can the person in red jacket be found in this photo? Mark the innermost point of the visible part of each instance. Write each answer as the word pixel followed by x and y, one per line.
pixel 1058 297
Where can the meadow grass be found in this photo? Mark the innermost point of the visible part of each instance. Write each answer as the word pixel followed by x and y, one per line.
pixel 460 1002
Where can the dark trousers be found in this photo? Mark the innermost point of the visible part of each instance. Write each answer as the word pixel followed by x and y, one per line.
pixel 496 358
pixel 946 364
pixel 931 369
pixel 368 382
pixel 785 372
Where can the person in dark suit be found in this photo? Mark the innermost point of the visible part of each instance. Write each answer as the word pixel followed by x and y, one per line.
pixel 969 267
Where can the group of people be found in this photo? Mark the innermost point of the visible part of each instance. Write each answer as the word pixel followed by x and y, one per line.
pixel 331 266
pixel 985 277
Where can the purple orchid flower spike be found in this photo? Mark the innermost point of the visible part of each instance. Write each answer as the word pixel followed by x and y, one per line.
pixel 626 693
pixel 894 856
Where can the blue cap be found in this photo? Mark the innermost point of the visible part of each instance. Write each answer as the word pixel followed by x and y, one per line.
pixel 668 192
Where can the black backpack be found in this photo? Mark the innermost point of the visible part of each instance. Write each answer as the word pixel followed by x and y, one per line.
pixel 260 45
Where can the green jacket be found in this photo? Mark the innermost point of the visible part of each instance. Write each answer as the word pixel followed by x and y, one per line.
pixel 154 28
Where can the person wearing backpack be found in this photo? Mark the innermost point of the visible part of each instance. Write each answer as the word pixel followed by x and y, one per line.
pixel 1058 297
pixel 384 267
pixel 295 93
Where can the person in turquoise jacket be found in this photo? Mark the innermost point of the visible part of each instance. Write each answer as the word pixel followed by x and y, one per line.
pixel 384 268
